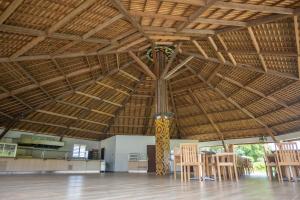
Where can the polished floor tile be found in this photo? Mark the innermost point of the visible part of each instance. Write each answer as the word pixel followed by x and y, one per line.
pixel 139 186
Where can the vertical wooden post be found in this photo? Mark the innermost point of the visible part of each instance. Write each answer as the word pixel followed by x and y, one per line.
pixel 162 141
pixel 162 122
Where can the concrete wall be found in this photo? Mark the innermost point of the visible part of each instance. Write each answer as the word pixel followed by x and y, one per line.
pixel 130 144
pixel 109 145
pixel 136 144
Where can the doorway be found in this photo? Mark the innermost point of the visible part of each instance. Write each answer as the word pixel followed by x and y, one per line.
pixel 151 158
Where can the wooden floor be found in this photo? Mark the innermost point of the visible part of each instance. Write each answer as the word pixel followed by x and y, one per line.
pixel 139 186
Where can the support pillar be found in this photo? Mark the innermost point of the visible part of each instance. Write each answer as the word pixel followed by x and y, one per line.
pixel 162 117
pixel 162 141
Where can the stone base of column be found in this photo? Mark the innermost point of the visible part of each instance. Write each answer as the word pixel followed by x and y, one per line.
pixel 162 135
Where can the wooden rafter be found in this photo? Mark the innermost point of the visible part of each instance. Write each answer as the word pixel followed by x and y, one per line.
pixel 9 10
pixel 231 57
pixel 175 111
pixel 98 98
pixel 54 27
pixel 28 112
pixel 177 67
pixel 63 73
pixel 30 77
pixel 238 6
pixel 257 48
pixel 9 126
pixel 244 66
pixel 60 36
pixel 90 33
pixel 202 109
pixel 173 31
pixel 64 55
pixel 172 59
pixel 142 64
pixel 233 102
pixel 215 47
pixel 15 97
pixel 120 7
pixel 125 101
pixel 296 27
pixel 254 91
pixel 185 19
pixel 196 14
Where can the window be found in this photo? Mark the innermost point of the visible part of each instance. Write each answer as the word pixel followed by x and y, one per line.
pixel 79 151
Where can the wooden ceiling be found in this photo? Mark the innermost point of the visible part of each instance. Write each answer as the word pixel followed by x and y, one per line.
pixel 78 68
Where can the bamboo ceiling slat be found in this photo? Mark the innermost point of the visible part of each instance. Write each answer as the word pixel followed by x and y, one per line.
pixel 66 71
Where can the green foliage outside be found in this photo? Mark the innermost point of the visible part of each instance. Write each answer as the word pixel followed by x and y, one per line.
pixel 253 151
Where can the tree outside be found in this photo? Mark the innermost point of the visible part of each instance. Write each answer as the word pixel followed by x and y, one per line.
pixel 255 152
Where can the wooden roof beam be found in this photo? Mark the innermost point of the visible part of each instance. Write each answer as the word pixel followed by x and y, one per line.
pixel 87 35
pixel 200 49
pixel 215 47
pixel 62 73
pixel 201 108
pixel 196 14
pixel 113 88
pixel 9 126
pixel 30 77
pixel 263 53
pixel 249 89
pixel 125 101
pixel 131 44
pixel 70 117
pixel 64 55
pixel 15 97
pixel 46 82
pixel 183 32
pixel 233 102
pixel 177 67
pixel 256 46
pixel 6 115
pixel 244 66
pixel 213 74
pixel 9 10
pixel 238 6
pixel 143 65
pixel 172 59
pixel 98 98
pixel 296 27
pixel 82 86
pixel 62 126
pixel 120 7
pixel 60 36
pixel 86 4
pixel 85 108
pixel 185 19
pixel 226 49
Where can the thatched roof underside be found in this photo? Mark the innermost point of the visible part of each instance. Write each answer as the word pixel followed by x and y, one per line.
pixel 68 69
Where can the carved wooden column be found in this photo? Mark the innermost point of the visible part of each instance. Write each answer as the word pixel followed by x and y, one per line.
pixel 162 120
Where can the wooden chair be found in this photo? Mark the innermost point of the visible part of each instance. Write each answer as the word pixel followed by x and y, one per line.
pixel 287 157
pixel 226 161
pixel 271 165
pixel 189 157
pixel 210 166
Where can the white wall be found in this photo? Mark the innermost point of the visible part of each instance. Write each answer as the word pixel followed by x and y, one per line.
pixel 130 144
pixel 109 145
pixel 136 144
